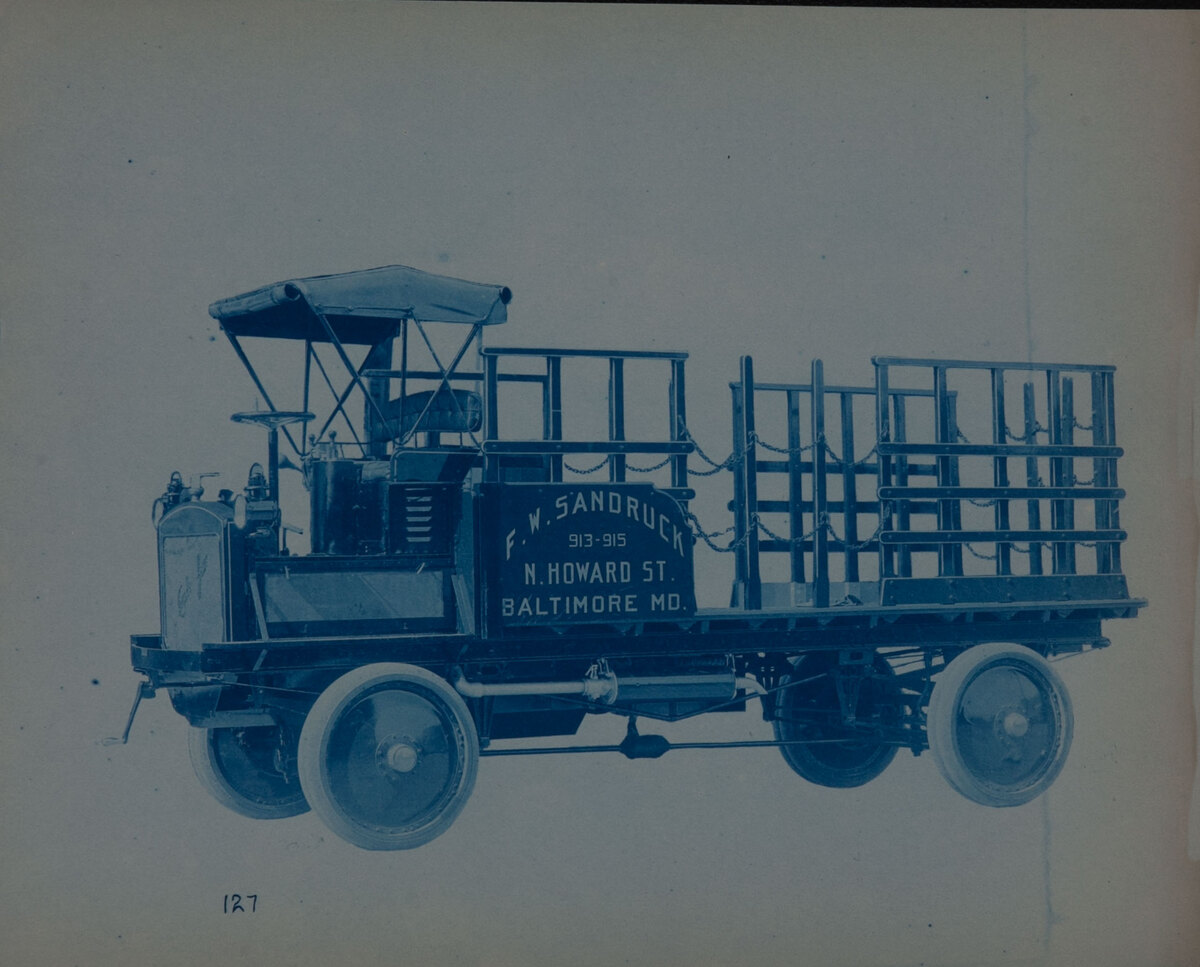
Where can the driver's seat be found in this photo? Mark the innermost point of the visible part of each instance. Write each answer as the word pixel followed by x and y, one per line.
pixel 443 410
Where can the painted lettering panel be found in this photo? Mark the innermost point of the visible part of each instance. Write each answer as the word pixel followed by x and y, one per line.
pixel 590 553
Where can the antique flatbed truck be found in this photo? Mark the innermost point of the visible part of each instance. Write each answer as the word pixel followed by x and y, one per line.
pixel 908 558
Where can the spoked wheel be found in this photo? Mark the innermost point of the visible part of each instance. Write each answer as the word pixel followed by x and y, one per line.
pixel 810 710
pixel 999 724
pixel 388 756
pixel 248 770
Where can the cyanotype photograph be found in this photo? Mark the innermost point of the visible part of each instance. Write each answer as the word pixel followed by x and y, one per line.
pixel 538 484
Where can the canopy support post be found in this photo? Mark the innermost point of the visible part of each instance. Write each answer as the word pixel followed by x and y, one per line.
pixel 258 382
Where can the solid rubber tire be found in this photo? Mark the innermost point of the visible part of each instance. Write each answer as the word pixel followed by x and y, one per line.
pixel 213 774
pixel 340 699
pixel 813 762
pixel 942 723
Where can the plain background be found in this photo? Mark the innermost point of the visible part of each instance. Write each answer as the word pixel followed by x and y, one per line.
pixel 787 183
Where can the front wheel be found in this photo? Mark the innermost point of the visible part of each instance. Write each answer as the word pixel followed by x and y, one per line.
pixel 388 756
pixel 248 770
pixel 999 724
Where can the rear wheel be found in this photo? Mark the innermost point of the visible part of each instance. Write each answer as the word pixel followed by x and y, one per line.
pixel 248 770
pixel 1000 724
pixel 809 711
pixel 388 756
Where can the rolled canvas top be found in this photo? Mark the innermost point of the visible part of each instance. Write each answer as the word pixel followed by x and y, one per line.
pixel 362 307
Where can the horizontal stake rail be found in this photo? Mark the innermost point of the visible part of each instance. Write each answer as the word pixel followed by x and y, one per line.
pixel 999 450
pixel 806 466
pixel 1006 536
pixel 1001 493
pixel 420 374
pixel 571 446
pixel 832 544
pixel 866 469
pixel 461 377
pixel 834 506
pixel 834 390
pixel 580 353
pixel 1027 367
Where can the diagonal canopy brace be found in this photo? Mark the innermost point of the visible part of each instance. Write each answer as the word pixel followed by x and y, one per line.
pixel 356 379
pixel 444 382
pixel 241 354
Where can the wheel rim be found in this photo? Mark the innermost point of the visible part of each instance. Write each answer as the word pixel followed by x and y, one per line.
pixel 806 707
pixel 999 724
pixel 394 759
pixel 388 756
pixel 1008 725
pixel 244 769
pixel 810 711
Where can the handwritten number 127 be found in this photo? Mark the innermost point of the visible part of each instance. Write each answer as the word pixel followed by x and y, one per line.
pixel 236 903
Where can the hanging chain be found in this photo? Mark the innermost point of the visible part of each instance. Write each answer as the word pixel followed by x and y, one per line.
pixel 730 462
pixel 1028 436
pixel 707 536
pixel 836 458
pixel 736 457
pixel 585 470
pixel 658 466
pixel 979 554
pixel 704 473
pixel 884 513
pixel 822 524
pixel 793 452
pixel 725 464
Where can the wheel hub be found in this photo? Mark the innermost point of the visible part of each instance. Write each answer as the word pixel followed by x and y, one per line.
pixel 1015 724
pixel 398 754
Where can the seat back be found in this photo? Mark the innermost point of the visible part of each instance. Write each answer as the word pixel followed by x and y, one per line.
pixel 443 410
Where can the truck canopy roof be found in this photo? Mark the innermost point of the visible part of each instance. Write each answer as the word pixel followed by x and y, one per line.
pixel 363 307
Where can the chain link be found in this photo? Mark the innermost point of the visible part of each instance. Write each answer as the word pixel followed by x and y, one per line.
pixel 1028 549
pixel 866 458
pixel 704 473
pixel 735 458
pixel 658 466
pixel 837 458
pixel 824 523
pixel 723 465
pixel 731 461
pixel 585 470
pixel 1028 436
pixel 885 513
pixel 707 536
pixel 980 554
pixel 798 451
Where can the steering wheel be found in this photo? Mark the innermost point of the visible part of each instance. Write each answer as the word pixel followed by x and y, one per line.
pixel 273 419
